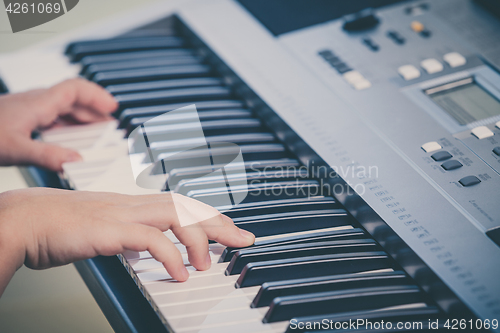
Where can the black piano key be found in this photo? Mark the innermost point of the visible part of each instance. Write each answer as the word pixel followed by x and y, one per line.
pixel 246 256
pixel 255 274
pixel 178 174
pixel 178 145
pixel 92 70
pixel 274 224
pixel 271 290
pixel 279 206
pixel 224 114
pixel 191 129
pixel 298 238
pixel 172 96
pixel 117 40
pixel 249 152
pixel 144 55
pixel 127 88
pixel 423 314
pixel 185 186
pixel 259 192
pixel 205 115
pixel 201 156
pixel 152 73
pixel 287 307
pixel 77 51
pixel 153 111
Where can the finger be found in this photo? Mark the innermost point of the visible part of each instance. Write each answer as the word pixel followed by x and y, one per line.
pixel 138 237
pixel 160 212
pixel 85 115
pixel 82 93
pixel 167 211
pixel 45 155
pixel 196 242
pixel 217 227
pixel 222 230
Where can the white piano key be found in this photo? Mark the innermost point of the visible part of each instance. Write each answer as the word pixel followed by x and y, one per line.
pixel 403 306
pixel 119 179
pixel 216 249
pixel 182 249
pixel 385 270
pixel 158 275
pixel 78 144
pixel 173 310
pixel 161 274
pixel 85 175
pixel 205 294
pixel 170 235
pixel 141 265
pixel 109 138
pixel 291 234
pixel 214 276
pixel 91 155
pixel 80 174
pixel 230 309
pixel 244 326
pixel 145 264
pixel 132 255
pixel 173 288
pixel 76 169
pixel 76 132
pixel 63 137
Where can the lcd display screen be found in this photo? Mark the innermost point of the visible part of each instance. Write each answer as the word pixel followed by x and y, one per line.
pixel 465 101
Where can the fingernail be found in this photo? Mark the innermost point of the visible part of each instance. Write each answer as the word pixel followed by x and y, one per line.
pixel 74 158
pixel 208 261
pixel 185 274
pixel 246 234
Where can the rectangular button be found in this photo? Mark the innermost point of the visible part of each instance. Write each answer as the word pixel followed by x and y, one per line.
pixel 441 156
pixel 451 165
pixel 482 132
pixel 454 59
pixel 409 72
pixel 431 146
pixel 469 181
pixel 431 65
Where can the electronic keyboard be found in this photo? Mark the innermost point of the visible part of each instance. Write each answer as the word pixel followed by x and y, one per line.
pixel 371 157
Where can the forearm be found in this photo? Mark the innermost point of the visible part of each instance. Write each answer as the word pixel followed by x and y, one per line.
pixel 9 267
pixel 12 245
pixel 11 259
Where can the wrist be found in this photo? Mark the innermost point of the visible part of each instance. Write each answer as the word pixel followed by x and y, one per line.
pixel 11 244
pixel 12 229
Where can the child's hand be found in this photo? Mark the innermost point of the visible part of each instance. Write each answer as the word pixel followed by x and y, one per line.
pixel 43 227
pixel 76 100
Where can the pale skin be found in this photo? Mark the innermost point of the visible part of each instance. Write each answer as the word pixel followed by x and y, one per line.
pixel 42 228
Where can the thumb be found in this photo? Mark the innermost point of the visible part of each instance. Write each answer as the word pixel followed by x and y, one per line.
pixel 48 156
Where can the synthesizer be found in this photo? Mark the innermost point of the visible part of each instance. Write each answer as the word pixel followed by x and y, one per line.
pixel 385 116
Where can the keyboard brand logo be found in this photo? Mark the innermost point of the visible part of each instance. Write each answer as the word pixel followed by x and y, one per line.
pixel 172 145
pixel 26 14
